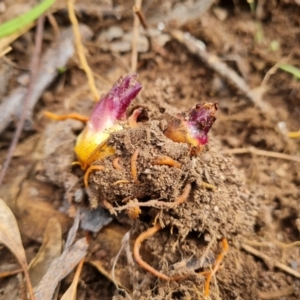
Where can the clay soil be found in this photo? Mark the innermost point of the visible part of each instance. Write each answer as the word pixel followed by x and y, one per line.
pixel 247 197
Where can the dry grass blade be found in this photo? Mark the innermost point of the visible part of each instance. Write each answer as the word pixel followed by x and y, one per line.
pixel 10 237
pixel 50 250
pixel 71 292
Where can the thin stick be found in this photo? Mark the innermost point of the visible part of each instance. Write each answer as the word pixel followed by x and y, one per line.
pixel 135 36
pixel 276 294
pixel 262 153
pixel 54 25
pixel 34 68
pixel 10 273
pixel 5 51
pixel 80 51
pixel 266 258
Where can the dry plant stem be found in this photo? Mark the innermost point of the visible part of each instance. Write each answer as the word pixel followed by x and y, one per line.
pixel 34 67
pixel 216 267
pixel 54 25
pixel 10 273
pixel 255 151
pixel 116 164
pixel 74 116
pixel 265 257
pixel 134 166
pixel 78 270
pixel 5 51
pixel 80 50
pixel 88 171
pixel 166 160
pixel 135 36
pixel 276 294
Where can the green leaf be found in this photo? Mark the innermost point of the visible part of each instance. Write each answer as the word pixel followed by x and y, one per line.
pixel 290 69
pixel 17 23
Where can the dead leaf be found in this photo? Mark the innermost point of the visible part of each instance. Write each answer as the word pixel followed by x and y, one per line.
pixel 11 238
pixel 63 265
pixel 71 292
pixel 60 268
pixel 33 209
pixel 50 250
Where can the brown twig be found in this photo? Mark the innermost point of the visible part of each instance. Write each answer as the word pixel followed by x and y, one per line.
pixel 34 68
pixel 266 258
pixel 135 36
pixel 10 273
pixel 54 25
pixel 255 151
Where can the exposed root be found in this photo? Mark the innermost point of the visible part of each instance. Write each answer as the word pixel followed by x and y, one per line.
pixel 132 120
pixel 159 204
pixel 183 197
pixel 166 160
pixel 116 164
pixel 136 251
pixel 107 205
pixel 88 171
pixel 121 181
pixel 215 267
pixel 207 185
pixel 134 167
pixel 133 212
pixel 73 116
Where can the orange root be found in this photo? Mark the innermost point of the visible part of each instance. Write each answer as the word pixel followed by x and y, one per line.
pixel 132 120
pixel 121 181
pixel 116 164
pixel 136 251
pixel 166 160
pixel 185 194
pixel 56 117
pixel 134 166
pixel 216 267
pixel 88 171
